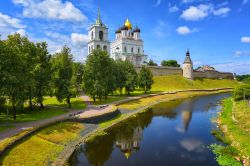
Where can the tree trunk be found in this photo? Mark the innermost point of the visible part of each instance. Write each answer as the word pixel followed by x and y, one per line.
pixel 68 101
pixel 30 103
pixel 41 105
pixel 14 108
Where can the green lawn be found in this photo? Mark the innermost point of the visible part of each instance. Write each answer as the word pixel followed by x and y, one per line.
pixel 44 146
pixel 76 103
pixel 176 82
pixel 47 112
pixel 2 128
pixel 110 99
pixel 237 132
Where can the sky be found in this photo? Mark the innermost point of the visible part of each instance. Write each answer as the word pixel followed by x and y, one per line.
pixel 217 32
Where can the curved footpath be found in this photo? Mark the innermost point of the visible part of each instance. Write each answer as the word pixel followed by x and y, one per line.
pixel 94 130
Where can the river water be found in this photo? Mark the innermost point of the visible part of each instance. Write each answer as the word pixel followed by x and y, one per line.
pixel 172 133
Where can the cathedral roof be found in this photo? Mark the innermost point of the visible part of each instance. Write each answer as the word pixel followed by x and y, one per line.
pixel 136 29
pixel 118 30
pixel 128 24
pixel 124 28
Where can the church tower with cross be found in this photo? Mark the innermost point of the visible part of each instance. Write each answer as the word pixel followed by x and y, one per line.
pixel 98 36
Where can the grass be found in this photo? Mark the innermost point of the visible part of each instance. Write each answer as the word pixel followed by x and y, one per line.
pixel 42 113
pixel 135 104
pixel 112 121
pixel 238 132
pixel 43 147
pixel 76 103
pixel 176 82
pixel 2 128
pixel 110 99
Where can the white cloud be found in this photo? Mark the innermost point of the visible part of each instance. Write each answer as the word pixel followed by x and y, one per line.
pixel 79 39
pixel 195 13
pixel 222 11
pixel 7 21
pixel 184 30
pixel 245 39
pixel 241 53
pixel 51 9
pixel 173 9
pixel 162 29
pixel 157 3
pixel 187 1
pixel 191 144
pixel 22 32
pixel 234 67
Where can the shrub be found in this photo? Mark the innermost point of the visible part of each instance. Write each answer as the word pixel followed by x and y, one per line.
pixel 241 92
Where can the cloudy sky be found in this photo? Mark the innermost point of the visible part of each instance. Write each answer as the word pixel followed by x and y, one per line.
pixel 217 32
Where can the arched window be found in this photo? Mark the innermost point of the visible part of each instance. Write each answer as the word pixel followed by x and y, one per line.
pixel 98 46
pixel 92 35
pixel 132 50
pixel 125 49
pixel 101 35
pixel 104 48
pixel 138 50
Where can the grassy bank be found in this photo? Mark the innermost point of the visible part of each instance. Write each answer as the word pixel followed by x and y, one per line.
pixel 52 108
pixel 176 82
pixel 234 122
pixel 43 147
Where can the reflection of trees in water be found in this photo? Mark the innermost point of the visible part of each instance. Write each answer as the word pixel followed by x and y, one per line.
pixel 127 136
pixel 186 118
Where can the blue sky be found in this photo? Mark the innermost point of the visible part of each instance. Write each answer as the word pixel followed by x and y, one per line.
pixel 217 32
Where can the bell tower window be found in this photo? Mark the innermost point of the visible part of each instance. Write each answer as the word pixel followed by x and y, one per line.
pixel 92 35
pixel 101 35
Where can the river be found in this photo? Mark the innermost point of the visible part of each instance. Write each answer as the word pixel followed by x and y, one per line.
pixel 172 133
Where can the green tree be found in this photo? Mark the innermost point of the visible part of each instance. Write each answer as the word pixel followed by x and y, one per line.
pixel 131 77
pixel 170 63
pixel 145 79
pixel 42 72
pixel 77 79
pixel 242 92
pixel 98 75
pixel 63 66
pixel 152 63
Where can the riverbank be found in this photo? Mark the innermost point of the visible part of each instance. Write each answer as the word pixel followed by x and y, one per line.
pixel 234 123
pixel 144 102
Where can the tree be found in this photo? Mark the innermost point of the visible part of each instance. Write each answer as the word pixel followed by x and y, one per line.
pixel 242 92
pixel 145 79
pixel 152 63
pixel 98 75
pixel 131 77
pixel 121 75
pixel 77 79
pixel 170 63
pixel 42 72
pixel 63 66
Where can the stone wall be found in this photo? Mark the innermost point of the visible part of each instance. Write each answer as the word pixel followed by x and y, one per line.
pixel 165 71
pixel 162 71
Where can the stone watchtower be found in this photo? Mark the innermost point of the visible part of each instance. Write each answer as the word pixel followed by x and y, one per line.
pixel 187 67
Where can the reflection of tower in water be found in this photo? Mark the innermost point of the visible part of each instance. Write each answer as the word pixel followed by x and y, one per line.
pixel 186 118
pixel 127 146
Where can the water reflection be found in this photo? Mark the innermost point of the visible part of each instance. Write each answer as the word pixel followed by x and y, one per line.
pixel 172 133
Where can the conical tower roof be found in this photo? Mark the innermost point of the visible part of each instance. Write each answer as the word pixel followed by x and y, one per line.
pixel 188 58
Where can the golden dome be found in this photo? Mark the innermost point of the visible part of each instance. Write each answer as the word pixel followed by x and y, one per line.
pixel 127 154
pixel 128 24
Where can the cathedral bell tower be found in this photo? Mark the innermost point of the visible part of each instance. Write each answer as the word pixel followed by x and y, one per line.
pixel 187 67
pixel 98 36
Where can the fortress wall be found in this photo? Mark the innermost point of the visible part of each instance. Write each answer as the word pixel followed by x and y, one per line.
pixel 162 71
pixel 165 71
pixel 213 75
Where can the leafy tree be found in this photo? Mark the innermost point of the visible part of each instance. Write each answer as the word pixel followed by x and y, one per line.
pixel 152 63
pixel 77 79
pixel 241 92
pixel 98 75
pixel 42 72
pixel 145 79
pixel 63 66
pixel 244 78
pixel 170 63
pixel 121 75
pixel 131 77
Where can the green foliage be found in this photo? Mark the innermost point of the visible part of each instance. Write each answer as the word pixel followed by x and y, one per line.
pixel 131 77
pixel 145 79
pixel 63 66
pixel 170 63
pixel 225 155
pixel 220 136
pixel 152 63
pixel 244 78
pixel 242 92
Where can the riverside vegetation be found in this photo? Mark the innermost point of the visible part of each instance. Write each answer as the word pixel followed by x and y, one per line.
pixel 234 123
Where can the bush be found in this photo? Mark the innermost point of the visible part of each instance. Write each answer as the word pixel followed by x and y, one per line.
pixel 2 102
pixel 241 92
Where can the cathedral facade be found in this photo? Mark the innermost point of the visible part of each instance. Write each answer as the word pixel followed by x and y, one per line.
pixel 127 45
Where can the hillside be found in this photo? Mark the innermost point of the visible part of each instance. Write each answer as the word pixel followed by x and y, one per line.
pixel 176 82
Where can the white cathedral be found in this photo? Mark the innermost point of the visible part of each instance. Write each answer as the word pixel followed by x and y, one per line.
pixel 127 45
